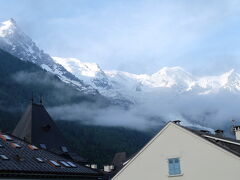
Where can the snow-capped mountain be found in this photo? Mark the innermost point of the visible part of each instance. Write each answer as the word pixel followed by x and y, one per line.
pixel 116 84
pixel 128 85
pixel 170 93
pixel 17 43
pixel 90 73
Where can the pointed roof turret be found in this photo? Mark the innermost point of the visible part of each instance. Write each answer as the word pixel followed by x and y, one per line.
pixel 37 127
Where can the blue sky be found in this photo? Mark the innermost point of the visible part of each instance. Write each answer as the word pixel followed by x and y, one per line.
pixel 135 35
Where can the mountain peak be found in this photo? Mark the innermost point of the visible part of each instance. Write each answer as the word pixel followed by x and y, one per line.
pixel 12 21
pixel 7 27
pixel 230 74
pixel 167 70
pixel 232 71
pixel 172 71
pixel 76 66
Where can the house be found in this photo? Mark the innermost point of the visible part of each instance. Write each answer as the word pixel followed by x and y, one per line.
pixel 180 153
pixel 19 159
pixel 37 127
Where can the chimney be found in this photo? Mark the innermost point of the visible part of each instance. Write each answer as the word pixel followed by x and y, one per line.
pixel 236 129
pixel 219 132
pixel 177 122
pixel 112 167
pixel 107 168
pixel 93 166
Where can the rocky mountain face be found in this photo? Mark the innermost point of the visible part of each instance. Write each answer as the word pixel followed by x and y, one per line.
pixel 17 43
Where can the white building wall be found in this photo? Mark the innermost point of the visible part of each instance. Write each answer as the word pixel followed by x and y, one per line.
pixel 199 159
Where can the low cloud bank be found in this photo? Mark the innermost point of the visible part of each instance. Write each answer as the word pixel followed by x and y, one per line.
pixel 213 110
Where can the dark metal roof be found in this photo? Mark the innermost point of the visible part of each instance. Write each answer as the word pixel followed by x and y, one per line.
pixel 37 127
pixel 22 161
pixel 229 144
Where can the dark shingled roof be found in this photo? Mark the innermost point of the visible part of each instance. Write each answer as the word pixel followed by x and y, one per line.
pixel 22 162
pixel 37 127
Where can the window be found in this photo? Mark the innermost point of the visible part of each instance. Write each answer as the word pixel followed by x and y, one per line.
pixel 65 164
pixel 39 160
pixel 54 163
pixel 71 164
pixel 6 138
pixel 174 166
pixel 3 157
pixel 32 147
pixel 64 149
pixel 15 145
pixel 43 146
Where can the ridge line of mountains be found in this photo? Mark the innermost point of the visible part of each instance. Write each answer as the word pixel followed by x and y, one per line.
pixel 91 79
pixel 132 91
pixel 91 101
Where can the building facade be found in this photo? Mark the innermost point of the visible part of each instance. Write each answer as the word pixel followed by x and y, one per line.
pixel 184 154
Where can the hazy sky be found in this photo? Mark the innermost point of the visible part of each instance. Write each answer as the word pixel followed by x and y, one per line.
pixel 134 35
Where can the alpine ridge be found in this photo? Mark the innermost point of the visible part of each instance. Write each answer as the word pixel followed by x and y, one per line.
pixel 143 99
pixel 176 79
pixel 17 43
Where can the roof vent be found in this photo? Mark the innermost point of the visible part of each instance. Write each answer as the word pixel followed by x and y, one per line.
pixel 236 129
pixel 205 131
pixel 177 122
pixel 219 132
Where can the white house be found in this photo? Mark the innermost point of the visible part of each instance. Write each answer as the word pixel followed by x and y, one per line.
pixel 180 153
